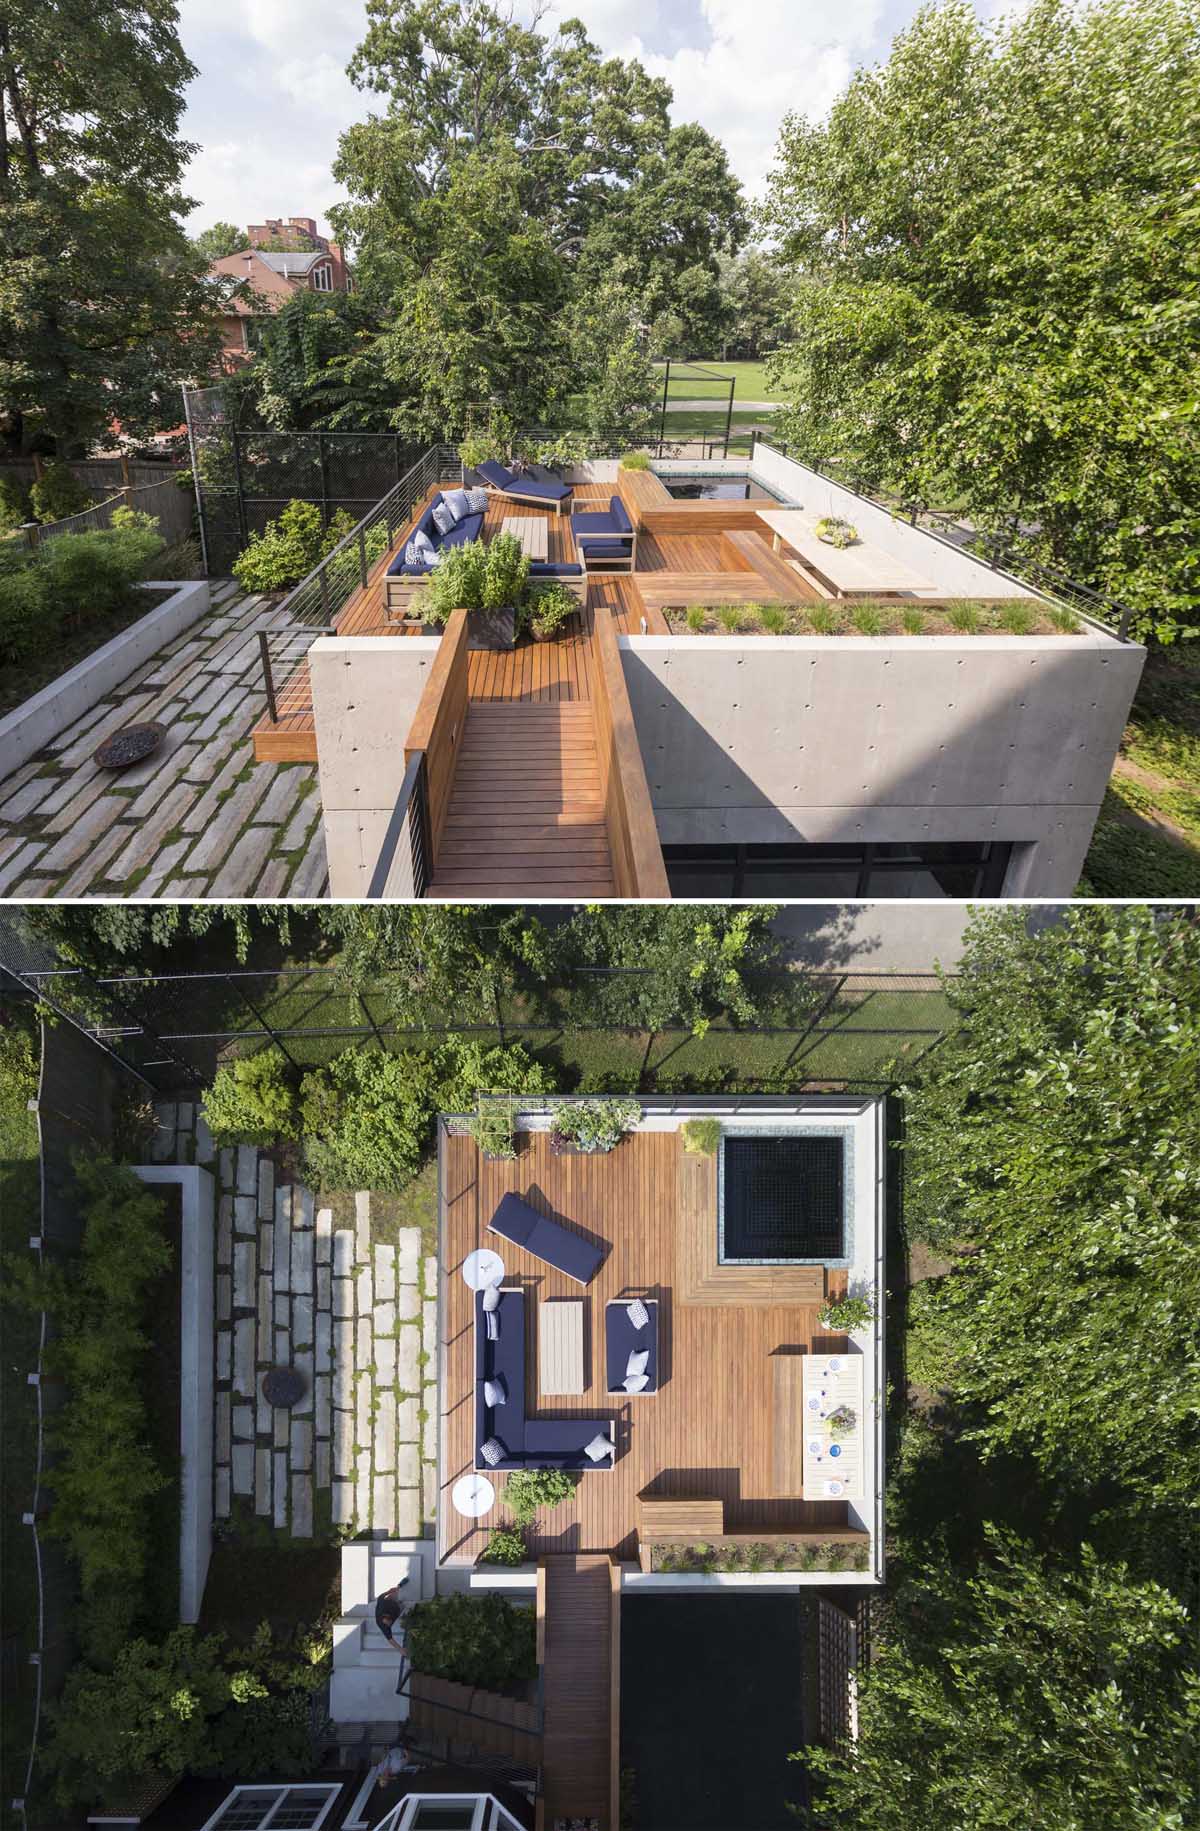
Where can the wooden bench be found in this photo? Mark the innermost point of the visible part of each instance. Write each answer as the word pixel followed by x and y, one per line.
pixel 746 552
pixel 676 590
pixel 701 1517
pixel 702 515
pixel 641 491
pixel 787 1423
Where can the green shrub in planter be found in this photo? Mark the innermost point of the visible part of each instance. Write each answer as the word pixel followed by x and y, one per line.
pixel 456 582
pixel 701 1136
pixel 474 449
pixel 253 1100
pixel 474 1640
pixel 57 494
pixel 29 619
pixel 94 575
pixel 493 1131
pixel 506 568
pixel 635 460
pixel 595 1125
pixel 846 1315
pixel 547 608
pixel 528 1489
pixel 505 1546
pixel 284 552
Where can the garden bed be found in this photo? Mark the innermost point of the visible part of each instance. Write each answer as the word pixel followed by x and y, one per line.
pixel 875 617
pixel 744 1555
pixel 20 680
pixel 162 1388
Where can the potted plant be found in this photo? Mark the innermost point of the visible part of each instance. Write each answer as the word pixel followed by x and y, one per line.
pixel 701 1136
pixel 588 1127
pixel 847 1315
pixel 488 581
pixel 492 1128
pixel 835 532
pixel 841 1421
pixel 634 460
pixel 473 449
pixel 547 609
pixel 506 1545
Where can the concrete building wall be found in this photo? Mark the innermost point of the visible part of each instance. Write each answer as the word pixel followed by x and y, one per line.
pixel 858 739
pixel 365 693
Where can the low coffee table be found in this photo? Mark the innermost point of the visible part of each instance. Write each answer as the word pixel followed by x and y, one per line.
pixel 560 1345
pixel 533 532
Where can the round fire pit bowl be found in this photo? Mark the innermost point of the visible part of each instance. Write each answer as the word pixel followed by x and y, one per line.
pixel 132 744
pixel 283 1386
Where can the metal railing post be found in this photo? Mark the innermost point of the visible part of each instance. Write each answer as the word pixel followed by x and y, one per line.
pixel 362 558
pixel 264 651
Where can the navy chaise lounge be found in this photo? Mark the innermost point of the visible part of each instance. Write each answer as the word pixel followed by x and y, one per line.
pixel 546 492
pixel 526 1443
pixel 605 539
pixel 567 1252
pixel 621 1340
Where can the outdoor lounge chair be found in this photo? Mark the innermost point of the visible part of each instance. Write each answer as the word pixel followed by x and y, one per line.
pixel 605 539
pixel 546 493
pixel 567 1252
pixel 621 1339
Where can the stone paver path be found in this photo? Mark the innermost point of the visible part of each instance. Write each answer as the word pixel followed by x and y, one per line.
pixel 356 1317
pixel 199 819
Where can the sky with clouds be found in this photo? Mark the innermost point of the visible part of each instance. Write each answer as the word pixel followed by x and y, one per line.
pixel 272 94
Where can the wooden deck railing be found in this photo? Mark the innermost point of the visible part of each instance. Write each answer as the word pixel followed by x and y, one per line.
pixel 637 860
pixel 614 1705
pixel 438 722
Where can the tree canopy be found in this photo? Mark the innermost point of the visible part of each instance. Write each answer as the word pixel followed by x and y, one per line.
pixel 511 179
pixel 104 309
pixel 218 241
pixel 995 244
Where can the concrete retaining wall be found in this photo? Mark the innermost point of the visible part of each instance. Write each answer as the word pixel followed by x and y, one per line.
pixel 774 740
pixel 365 692
pixel 196 1375
pixel 56 708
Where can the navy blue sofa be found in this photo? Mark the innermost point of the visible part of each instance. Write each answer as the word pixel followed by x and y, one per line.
pixel 546 492
pixel 528 1443
pixel 567 1252
pixel 621 1340
pixel 605 538
pixel 469 528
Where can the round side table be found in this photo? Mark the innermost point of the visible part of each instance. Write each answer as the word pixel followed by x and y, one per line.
pixel 481 1268
pixel 473 1496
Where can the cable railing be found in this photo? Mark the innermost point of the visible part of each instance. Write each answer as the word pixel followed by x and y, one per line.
pixel 405 861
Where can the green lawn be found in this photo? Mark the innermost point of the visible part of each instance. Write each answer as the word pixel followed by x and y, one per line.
pixel 750 378
pixel 19 1218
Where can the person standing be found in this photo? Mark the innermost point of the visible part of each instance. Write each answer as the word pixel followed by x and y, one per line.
pixel 389 1616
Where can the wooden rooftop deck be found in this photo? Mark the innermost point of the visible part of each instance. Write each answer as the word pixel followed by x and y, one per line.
pixel 708 1430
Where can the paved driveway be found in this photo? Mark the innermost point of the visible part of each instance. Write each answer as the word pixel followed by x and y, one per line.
pixel 201 818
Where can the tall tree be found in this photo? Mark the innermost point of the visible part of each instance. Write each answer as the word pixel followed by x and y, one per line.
pixel 103 304
pixel 996 298
pixel 218 241
pixel 757 304
pixel 1024 1692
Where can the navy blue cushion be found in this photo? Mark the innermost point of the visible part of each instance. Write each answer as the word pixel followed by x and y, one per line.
pixel 621 1340
pixel 495 474
pixel 462 531
pixel 555 569
pixel 546 489
pixel 568 1252
pixel 594 545
pixel 620 515
pixel 592 521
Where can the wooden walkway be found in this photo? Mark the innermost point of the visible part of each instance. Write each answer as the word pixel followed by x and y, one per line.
pixel 526 814
pixel 444 1711
pixel 577 1680
pixel 707 1431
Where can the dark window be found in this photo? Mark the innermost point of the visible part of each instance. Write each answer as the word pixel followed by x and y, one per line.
pixel 954 869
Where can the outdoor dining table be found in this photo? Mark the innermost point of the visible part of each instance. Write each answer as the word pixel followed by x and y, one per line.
pixel 844 571
pixel 832 1464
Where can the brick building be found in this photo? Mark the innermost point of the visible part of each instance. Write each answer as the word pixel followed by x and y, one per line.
pixel 315 262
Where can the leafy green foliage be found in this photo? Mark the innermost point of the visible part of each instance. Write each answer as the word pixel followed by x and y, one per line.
pixel 29 619
pixel 491 1126
pixel 219 241
pixel 993 241
pixel 69 581
pixel 474 1640
pixel 548 607
pixel 15 506
pixel 105 1472
pixel 596 1124
pixel 1056 1135
pixel 189 1704
pixel 253 1100
pixel 635 460
pixel 504 1546
pixel 675 964
pixel 846 1315
pixel 105 309
pixel 317 367
pixel 1022 1693
pixel 56 494
pixel 701 1136
pixel 287 549
pixel 368 1117
pixel 526 1490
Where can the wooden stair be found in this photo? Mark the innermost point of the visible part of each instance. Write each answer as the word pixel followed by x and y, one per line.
pixel 577 1677
pixel 526 815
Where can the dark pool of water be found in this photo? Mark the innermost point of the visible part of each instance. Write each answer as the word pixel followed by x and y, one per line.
pixel 731 489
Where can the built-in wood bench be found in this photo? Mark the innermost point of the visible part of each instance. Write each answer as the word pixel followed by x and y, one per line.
pixel 666 1516
pixel 787 1423
pixel 702 514
pixel 744 552
pixel 676 590
pixel 641 492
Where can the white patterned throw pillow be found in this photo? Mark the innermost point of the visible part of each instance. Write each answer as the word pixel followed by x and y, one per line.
pixel 491 1297
pixel 599 1449
pixel 492 1324
pixel 637 1313
pixel 477 502
pixel 443 518
pixel 636 1382
pixel 492 1451
pixel 638 1361
pixel 495 1392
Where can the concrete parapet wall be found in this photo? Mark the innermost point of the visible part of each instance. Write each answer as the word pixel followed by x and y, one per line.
pixel 774 740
